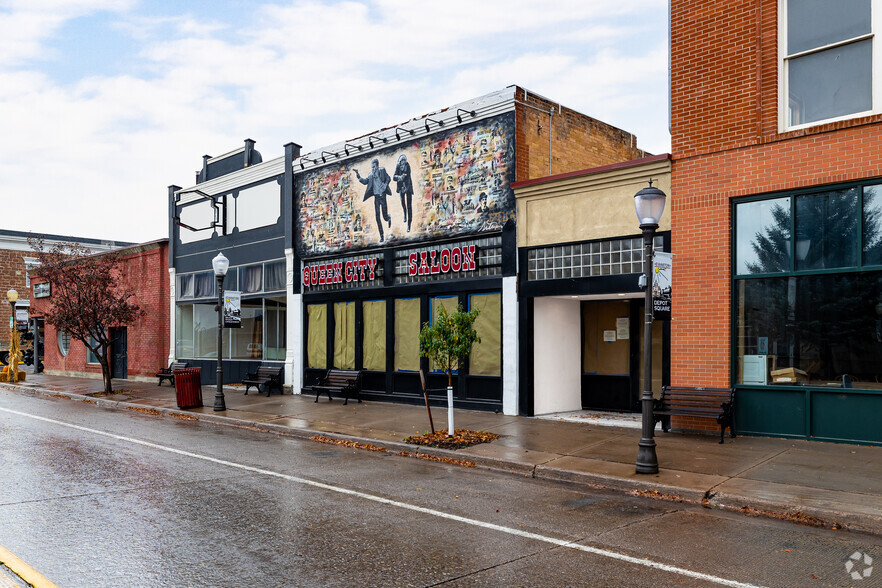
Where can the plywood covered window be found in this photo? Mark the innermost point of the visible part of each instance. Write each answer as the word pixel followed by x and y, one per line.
pixel 344 335
pixel 605 352
pixel 317 336
pixel 486 356
pixel 407 334
pixel 374 335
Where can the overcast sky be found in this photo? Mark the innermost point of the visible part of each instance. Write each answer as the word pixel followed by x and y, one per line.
pixel 105 103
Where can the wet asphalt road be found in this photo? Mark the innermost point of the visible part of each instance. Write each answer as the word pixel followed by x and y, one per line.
pixel 217 506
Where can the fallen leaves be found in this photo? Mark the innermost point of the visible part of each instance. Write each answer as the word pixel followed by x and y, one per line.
pixel 461 438
pixel 182 416
pixel 369 447
pixel 152 411
pixel 346 443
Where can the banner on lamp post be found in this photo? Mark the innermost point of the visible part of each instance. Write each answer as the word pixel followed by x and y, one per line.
pixel 232 309
pixel 662 264
pixel 21 319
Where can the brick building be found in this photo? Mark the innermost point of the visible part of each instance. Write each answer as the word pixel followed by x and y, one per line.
pixel 139 349
pixel 776 209
pixel 441 234
pixel 17 262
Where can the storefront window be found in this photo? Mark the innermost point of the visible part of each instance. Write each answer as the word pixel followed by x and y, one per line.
pixel 204 330
pixel 407 334
pixel 184 331
pixel 344 335
pixel 374 335
pixel 275 276
pixel 872 225
pixel 251 278
pixel 276 330
pixel 826 230
pixel 486 356
pixel 317 336
pixel 762 237
pixel 823 330
pixel 204 285
pixel 604 352
pixel 90 355
pixel 247 341
pixel 811 326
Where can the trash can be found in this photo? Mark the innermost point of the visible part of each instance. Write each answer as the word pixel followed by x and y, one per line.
pixel 188 387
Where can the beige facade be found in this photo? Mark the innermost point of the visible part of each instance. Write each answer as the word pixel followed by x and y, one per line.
pixel 586 205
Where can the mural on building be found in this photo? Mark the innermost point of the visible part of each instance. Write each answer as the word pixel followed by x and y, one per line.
pixel 451 183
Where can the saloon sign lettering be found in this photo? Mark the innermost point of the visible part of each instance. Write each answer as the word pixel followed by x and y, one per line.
pixel 442 261
pixel 339 272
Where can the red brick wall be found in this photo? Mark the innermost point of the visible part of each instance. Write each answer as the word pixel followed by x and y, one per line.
pixel 12 275
pixel 148 337
pixel 577 141
pixel 726 144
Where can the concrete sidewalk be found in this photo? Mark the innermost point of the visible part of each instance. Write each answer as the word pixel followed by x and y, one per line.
pixel 838 485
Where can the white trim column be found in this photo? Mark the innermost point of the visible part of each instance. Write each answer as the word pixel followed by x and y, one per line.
pixel 172 315
pixel 294 313
pixel 510 345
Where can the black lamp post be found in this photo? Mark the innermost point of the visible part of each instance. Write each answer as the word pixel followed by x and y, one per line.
pixel 649 204
pixel 220 264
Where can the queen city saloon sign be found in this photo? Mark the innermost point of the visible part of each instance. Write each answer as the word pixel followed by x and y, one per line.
pixel 340 272
pixel 442 261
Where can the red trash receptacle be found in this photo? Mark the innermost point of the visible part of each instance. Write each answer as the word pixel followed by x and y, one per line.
pixel 188 387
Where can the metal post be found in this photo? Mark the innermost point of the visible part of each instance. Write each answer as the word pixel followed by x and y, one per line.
pixel 647 461
pixel 219 403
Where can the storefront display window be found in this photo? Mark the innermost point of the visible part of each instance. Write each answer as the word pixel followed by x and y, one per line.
pixel 251 278
pixel 374 335
pixel 276 330
pixel 274 276
pixel 486 356
pixel 247 341
pixel 407 334
pixel 317 336
pixel 196 332
pixel 344 335
pixel 819 324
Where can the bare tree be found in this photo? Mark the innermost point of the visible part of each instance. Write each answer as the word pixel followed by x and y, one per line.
pixel 87 296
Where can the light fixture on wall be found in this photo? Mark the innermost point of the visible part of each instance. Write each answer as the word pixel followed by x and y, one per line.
pixel 459 117
pixel 347 145
pixel 440 123
pixel 329 153
pixel 220 264
pixel 649 203
pixel 398 137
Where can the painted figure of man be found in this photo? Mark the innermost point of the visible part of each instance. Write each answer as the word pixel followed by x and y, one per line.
pixel 377 184
pixel 404 187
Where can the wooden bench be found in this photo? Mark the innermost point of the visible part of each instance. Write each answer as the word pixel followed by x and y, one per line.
pixel 716 403
pixel 268 377
pixel 343 382
pixel 169 372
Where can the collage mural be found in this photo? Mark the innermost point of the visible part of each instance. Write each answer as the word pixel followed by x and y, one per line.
pixel 451 183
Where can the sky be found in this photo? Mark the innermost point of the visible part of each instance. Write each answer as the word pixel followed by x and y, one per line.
pixel 105 103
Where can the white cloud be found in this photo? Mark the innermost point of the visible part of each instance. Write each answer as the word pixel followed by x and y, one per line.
pixel 95 155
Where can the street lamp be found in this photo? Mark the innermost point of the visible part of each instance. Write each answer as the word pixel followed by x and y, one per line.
pixel 220 264
pixel 649 204
pixel 12 357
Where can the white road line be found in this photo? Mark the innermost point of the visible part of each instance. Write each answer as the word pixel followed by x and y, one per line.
pixel 436 513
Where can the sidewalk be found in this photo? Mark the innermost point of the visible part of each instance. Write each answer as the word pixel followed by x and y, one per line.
pixel 838 484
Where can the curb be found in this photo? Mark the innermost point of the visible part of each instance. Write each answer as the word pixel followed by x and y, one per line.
pixel 23 570
pixel 752 506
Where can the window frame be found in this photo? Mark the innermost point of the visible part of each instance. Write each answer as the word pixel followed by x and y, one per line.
pixel 783 68
pixel 63 340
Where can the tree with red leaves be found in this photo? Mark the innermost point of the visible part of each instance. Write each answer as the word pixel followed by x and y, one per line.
pixel 87 296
